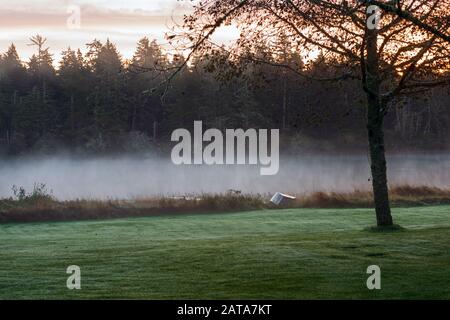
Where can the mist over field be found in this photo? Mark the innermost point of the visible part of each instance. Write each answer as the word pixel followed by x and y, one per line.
pixel 134 176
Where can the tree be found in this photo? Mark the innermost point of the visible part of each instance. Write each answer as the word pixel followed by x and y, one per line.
pixel 395 7
pixel 13 83
pixel 147 68
pixel 391 57
pixel 107 98
pixel 41 65
pixel 73 79
pixel 37 114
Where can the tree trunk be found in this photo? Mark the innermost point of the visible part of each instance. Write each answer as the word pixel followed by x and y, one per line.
pixel 72 116
pixel 133 118
pixel 375 116
pixel 155 126
pixel 284 101
pixel 378 165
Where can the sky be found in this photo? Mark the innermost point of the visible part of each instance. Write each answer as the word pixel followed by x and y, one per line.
pixel 75 23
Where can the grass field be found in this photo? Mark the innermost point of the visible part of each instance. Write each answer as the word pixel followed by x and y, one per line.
pixel 290 254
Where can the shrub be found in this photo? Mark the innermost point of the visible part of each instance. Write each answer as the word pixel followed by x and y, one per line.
pixel 39 193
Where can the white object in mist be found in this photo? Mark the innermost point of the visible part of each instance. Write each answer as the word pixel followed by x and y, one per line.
pixel 278 198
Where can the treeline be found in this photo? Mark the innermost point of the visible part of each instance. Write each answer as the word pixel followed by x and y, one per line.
pixel 98 102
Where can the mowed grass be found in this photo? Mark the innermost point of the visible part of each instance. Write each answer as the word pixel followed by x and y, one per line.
pixel 267 254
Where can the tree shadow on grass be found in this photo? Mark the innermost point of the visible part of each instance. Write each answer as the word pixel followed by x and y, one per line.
pixel 385 229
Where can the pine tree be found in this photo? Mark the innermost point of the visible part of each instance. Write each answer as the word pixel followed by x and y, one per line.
pixel 107 98
pixel 13 84
pixel 147 69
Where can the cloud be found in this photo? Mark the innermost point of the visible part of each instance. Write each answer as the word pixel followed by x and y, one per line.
pixel 91 16
pixel 124 22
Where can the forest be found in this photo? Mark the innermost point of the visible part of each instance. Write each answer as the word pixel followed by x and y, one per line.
pixel 99 102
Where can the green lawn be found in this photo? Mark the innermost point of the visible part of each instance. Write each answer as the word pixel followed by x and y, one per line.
pixel 291 254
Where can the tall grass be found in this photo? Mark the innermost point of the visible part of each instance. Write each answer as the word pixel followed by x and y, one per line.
pixel 40 205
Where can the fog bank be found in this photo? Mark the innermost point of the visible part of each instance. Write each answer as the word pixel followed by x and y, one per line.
pixel 128 176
